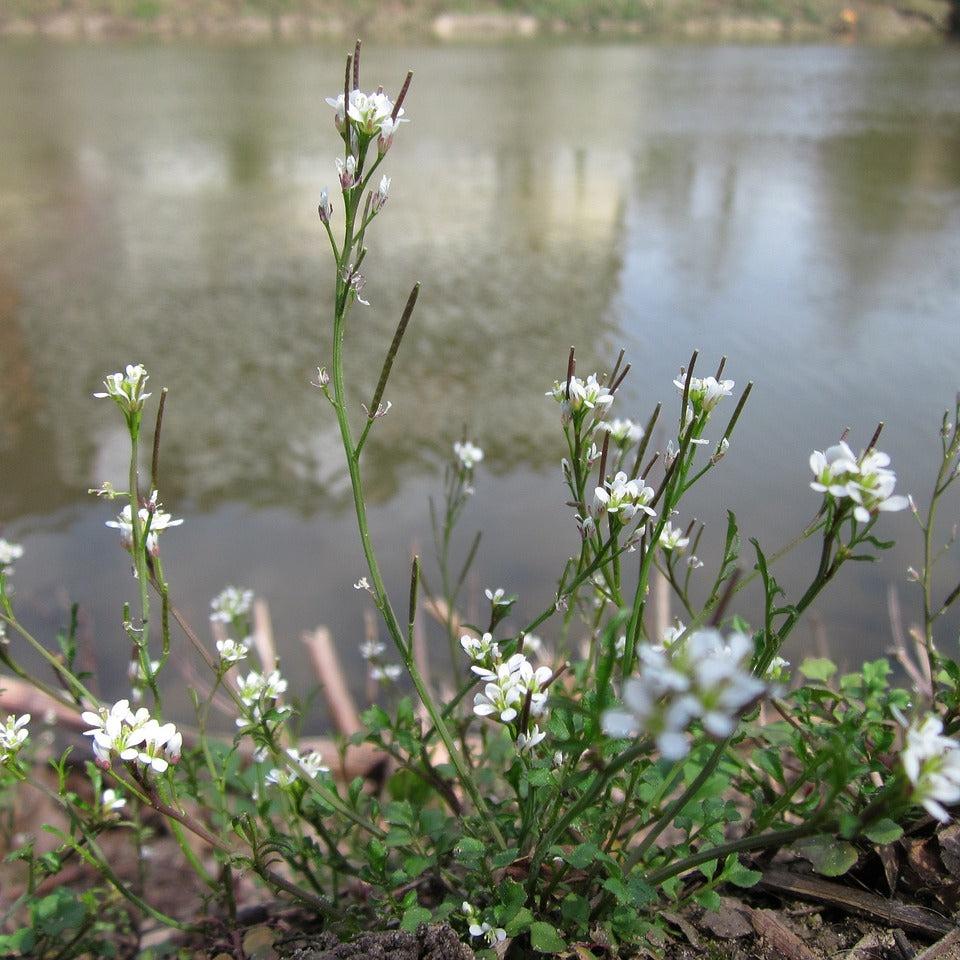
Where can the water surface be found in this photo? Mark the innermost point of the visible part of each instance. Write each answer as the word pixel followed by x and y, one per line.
pixel 797 209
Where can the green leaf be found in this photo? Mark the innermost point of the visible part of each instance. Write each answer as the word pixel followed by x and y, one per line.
pixel 883 831
pixel 828 856
pixel 520 921
pixel 469 850
pixel 544 937
pixel 818 668
pixel 413 917
pixel 708 899
pixel 741 876
pixel 512 894
pixel 583 855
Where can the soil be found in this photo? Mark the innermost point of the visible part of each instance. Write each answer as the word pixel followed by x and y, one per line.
pixel 428 943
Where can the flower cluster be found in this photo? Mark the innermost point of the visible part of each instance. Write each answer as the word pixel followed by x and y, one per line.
pixel 309 765
pixel 705 392
pixel 127 389
pixel 468 454
pixel 134 737
pixel 153 521
pixel 13 735
pixel 514 690
pixel 259 693
pixel 230 605
pixel 867 482
pixel 369 114
pixel 623 433
pixel 479 928
pixel 932 764
pixel 707 680
pixel 577 397
pixel 622 497
pixel 10 553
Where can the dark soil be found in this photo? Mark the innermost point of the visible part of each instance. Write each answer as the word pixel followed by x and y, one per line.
pixel 429 943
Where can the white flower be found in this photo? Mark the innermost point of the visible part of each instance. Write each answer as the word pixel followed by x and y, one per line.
pixel 502 700
pixel 346 172
pixel 706 392
pixel 13 735
pixel 152 519
pixel 707 680
pixel 371 649
pixel 620 647
pixel 126 389
pixel 482 649
pixel 111 802
pixel 867 482
pixel 387 672
pixel 831 469
pixel 777 671
pixel 527 741
pixel 133 736
pixel 380 197
pixel 533 644
pixel 932 764
pixel 623 433
pixel 231 604
pixel 469 454
pixel 496 597
pixel 584 395
pixel 258 686
pixel 623 497
pixel 309 765
pixel 232 652
pixel 10 553
pixel 362 584
pixel 672 538
pixel 325 208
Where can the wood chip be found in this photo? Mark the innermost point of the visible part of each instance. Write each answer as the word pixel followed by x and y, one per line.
pixel 925 923
pixel 781 938
pixel 946 949
pixel 730 922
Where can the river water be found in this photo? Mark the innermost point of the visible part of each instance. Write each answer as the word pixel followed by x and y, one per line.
pixel 797 209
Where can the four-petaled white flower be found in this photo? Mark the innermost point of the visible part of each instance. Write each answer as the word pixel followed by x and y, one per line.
pixel 386 673
pixel 469 454
pixel 623 497
pixel 932 764
pixel 230 604
pixel 672 538
pixel 112 802
pixel 13 735
pixel 496 597
pixel 504 700
pixel 127 389
pixel 706 680
pixel 527 741
pixel 153 520
pixel 623 433
pixel 232 652
pixel 10 553
pixel 705 392
pixel 580 396
pixel 259 693
pixel 309 765
pixel 832 468
pixel 370 113
pixel 479 928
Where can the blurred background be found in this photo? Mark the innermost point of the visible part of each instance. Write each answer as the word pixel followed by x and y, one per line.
pixel 795 207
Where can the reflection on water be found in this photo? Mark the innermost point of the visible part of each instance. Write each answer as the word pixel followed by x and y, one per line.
pixel 797 209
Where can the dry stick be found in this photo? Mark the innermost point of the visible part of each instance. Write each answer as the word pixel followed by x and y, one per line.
pixel 326 665
pixel 263 635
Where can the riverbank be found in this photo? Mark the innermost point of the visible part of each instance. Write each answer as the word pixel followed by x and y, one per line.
pixel 736 21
